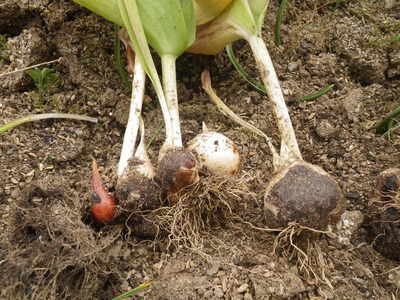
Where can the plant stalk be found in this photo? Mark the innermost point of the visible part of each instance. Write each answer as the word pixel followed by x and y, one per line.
pixel 132 127
pixel 174 138
pixel 274 93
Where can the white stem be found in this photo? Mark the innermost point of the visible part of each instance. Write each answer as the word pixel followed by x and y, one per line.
pixel 138 87
pixel 146 168
pixel 274 93
pixel 173 138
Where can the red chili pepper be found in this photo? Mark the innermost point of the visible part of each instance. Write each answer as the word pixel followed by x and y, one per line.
pixel 103 204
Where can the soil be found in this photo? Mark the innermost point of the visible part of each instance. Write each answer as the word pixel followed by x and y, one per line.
pixel 52 248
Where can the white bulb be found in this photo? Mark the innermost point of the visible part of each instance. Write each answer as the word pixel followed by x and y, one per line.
pixel 216 152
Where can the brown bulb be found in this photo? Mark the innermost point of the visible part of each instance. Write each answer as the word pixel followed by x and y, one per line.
pixel 177 170
pixel 305 194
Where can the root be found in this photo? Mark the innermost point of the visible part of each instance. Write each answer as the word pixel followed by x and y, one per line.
pixel 300 244
pixel 209 205
pixel 50 247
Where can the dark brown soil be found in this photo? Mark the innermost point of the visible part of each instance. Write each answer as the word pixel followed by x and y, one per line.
pixel 220 247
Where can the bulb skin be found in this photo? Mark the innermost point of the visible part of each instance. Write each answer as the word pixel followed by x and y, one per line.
pixel 216 152
pixel 103 205
pixel 176 170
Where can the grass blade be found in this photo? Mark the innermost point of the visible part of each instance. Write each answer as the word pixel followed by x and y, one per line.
pixel 388 124
pixel 133 291
pixel 278 21
pixel 31 118
pixel 242 72
pixel 259 86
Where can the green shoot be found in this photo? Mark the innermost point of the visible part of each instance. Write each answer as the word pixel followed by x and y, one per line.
pixel 153 137
pixel 388 125
pixel 45 79
pixel 118 61
pixel 245 75
pixel 260 87
pixel 133 291
pixel 31 118
pixel 278 20
pixel 335 8
pixel 318 94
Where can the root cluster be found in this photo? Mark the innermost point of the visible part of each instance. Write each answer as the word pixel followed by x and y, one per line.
pixel 210 204
pixel 52 253
pixel 302 245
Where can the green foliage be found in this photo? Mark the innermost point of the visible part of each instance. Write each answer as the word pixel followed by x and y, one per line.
pixel 133 291
pixel 45 80
pixel 277 25
pixel 389 125
pixel 259 86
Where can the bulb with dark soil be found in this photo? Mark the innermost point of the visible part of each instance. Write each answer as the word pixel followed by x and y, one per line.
pixel 176 170
pixel 136 190
pixel 383 222
pixel 302 193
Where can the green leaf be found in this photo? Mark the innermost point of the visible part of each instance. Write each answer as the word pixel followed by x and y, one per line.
pixel 131 18
pixel 170 25
pixel 108 9
pixel 258 10
pixel 133 24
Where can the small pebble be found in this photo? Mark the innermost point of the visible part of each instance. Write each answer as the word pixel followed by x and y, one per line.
pixel 243 288
pixel 218 292
pixel 247 296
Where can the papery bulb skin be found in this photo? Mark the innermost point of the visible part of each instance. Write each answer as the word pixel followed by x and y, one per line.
pixel 103 205
pixel 216 152
pixel 176 170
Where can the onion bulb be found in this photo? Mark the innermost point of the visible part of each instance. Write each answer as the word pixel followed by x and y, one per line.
pixel 177 169
pixel 216 152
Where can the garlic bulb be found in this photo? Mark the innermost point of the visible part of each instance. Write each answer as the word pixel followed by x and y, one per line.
pixel 216 152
